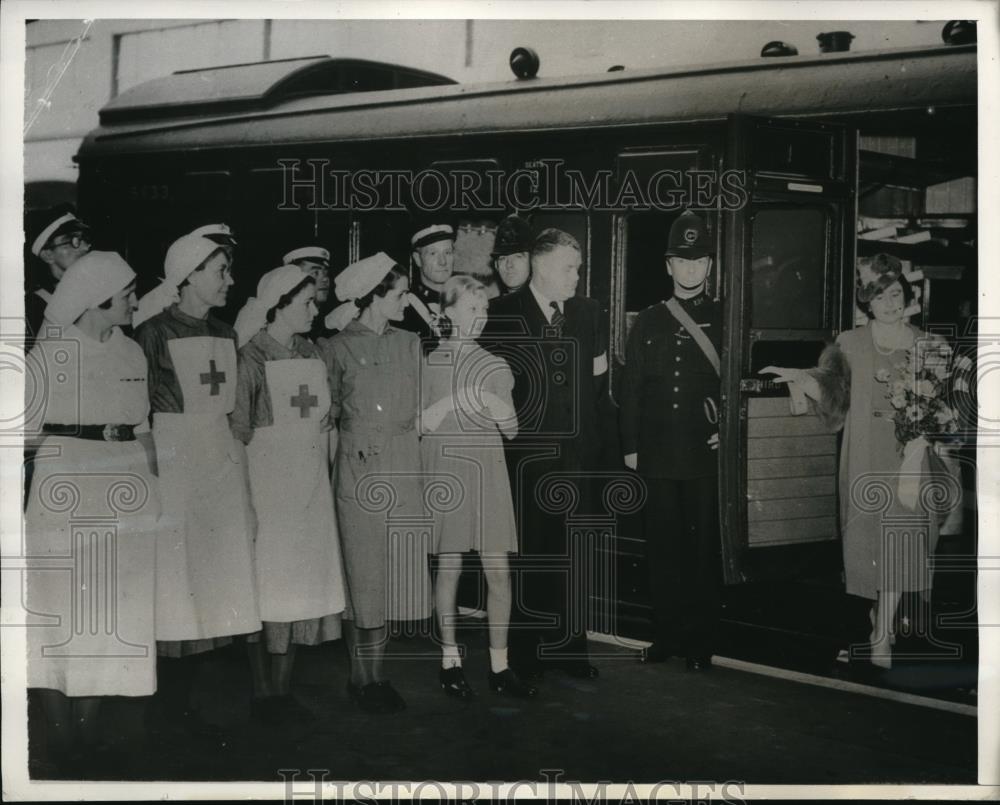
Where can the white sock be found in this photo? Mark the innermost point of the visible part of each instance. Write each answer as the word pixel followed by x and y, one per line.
pixel 450 657
pixel 498 660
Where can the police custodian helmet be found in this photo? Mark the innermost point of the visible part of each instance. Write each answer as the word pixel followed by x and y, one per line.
pixel 689 238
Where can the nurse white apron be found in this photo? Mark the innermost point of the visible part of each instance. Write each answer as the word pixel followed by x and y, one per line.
pixel 297 550
pixel 204 566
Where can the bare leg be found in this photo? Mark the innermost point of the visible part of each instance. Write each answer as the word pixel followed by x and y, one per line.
pixel 366 648
pixel 281 671
pixel 496 568
pixel 445 595
pixel 260 668
pixel 882 634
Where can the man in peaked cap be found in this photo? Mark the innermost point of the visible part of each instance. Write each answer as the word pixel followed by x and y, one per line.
pixel 669 430
pixel 511 253
pixel 56 239
pixel 315 261
pixel 433 259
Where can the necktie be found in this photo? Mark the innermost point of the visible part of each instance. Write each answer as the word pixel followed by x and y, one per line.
pixel 558 320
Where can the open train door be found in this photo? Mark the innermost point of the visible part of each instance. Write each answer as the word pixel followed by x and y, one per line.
pixel 787 266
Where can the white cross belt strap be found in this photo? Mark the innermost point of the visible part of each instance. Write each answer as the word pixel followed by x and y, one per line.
pixel 695 332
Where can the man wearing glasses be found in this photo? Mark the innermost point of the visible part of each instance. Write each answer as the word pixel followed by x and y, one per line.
pixel 57 239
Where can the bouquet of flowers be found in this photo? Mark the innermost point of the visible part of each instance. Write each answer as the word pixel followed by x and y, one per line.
pixel 919 390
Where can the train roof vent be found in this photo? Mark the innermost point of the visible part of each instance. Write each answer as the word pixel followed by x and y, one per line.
pixel 259 85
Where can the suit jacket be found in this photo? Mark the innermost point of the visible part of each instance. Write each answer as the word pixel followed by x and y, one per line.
pixel 556 394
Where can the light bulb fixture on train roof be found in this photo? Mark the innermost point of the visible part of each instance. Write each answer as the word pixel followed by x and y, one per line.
pixel 835 41
pixel 524 63
pixel 777 48
pixel 959 32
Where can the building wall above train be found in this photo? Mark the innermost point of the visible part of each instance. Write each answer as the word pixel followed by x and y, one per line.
pixel 114 55
pixel 829 84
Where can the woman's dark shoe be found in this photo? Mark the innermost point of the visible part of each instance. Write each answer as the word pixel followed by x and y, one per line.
pixel 453 683
pixel 507 683
pixel 369 698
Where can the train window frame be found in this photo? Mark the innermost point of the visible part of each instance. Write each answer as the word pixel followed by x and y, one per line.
pixel 828 298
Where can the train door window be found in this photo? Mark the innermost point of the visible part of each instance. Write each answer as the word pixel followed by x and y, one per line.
pixel 660 179
pixel 789 266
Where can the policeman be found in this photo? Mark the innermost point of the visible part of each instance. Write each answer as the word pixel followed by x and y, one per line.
pixel 510 256
pixel 669 431
pixel 57 239
pixel 433 259
pixel 315 261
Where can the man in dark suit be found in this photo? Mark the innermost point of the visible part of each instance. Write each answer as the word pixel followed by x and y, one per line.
pixel 554 344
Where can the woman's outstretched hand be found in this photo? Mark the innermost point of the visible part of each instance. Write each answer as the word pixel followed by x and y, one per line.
pixel 801 377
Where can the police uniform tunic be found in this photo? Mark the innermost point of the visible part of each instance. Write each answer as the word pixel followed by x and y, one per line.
pixel 384 524
pixel 669 397
pixel 282 406
pixel 90 524
pixel 205 576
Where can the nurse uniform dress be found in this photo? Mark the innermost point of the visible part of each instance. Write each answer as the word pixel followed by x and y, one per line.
pixel 467 448
pixel 90 523
pixel 205 585
pixel 282 406
pixel 384 525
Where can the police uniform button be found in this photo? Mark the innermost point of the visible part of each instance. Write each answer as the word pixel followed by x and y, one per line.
pixel 676 389
pixel 678 359
pixel 677 374
pixel 676 406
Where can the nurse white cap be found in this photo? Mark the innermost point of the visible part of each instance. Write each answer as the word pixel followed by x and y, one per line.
pixel 272 286
pixel 354 282
pixel 307 253
pixel 91 280
pixel 215 230
pixel 183 257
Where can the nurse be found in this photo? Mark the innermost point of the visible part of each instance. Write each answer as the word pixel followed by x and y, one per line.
pixel 282 414
pixel 92 507
pixel 373 369
pixel 205 585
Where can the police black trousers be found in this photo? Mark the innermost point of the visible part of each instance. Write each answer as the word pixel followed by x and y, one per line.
pixel 681 528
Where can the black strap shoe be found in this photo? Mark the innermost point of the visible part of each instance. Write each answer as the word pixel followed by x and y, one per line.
pixel 453 683
pixel 507 683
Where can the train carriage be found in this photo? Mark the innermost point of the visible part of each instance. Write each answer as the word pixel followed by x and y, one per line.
pixel 786 156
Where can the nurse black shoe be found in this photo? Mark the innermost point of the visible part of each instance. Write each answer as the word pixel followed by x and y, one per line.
pixel 372 698
pixel 507 683
pixel 453 683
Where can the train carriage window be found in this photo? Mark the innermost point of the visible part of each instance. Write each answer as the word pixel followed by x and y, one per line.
pixel 790 247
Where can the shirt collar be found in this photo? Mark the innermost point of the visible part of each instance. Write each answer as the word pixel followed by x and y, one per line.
pixel 544 302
